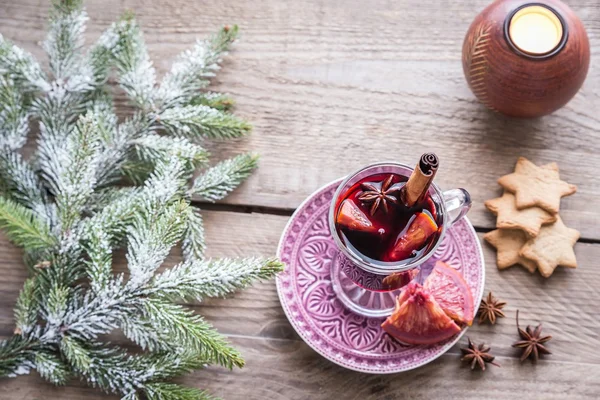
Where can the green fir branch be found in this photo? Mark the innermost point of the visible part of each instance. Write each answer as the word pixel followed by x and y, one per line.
pixel 104 197
pixel 51 367
pixel 65 38
pixel 199 121
pixel 195 280
pixel 150 148
pixel 14 115
pixel 22 184
pixel 137 76
pixel 55 307
pixel 167 182
pixel 69 213
pixel 152 236
pixel 194 67
pixel 75 353
pixel 164 326
pixel 99 264
pixel 168 365
pixel 23 227
pixel 113 370
pixel 16 356
pixel 99 313
pixel 163 187
pixel 171 391
pixel 114 142
pixel 113 219
pixel 136 171
pixel 58 270
pixel 20 66
pixel 99 58
pixel 217 182
pixel 218 101
pixel 27 308
pixel 66 6
pixel 193 244
pixel 72 176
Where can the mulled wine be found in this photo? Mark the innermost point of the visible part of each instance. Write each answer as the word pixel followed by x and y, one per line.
pixel 387 220
pixel 374 218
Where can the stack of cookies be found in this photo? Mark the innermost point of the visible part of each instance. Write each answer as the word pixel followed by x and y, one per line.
pixel 530 231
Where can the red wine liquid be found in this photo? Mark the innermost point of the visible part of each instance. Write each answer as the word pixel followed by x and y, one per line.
pixel 399 234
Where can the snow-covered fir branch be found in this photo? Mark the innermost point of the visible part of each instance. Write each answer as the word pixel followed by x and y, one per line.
pixel 200 121
pixel 23 227
pixel 211 278
pixel 14 115
pixel 194 67
pixel 72 205
pixel 193 244
pixel 137 75
pixel 21 67
pixel 22 184
pixel 65 39
pixel 217 182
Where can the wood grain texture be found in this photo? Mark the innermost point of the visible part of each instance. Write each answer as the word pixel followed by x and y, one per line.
pixel 333 85
pixel 291 370
pixel 281 366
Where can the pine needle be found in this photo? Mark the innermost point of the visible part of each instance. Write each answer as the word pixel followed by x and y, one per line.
pixel 170 391
pixel 199 121
pixel 193 244
pixel 217 182
pixel 23 228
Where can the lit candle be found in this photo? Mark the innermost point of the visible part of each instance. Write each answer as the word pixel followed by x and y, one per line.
pixel 535 30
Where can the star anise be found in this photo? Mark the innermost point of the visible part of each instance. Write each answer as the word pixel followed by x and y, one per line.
pixel 490 309
pixel 477 355
pixel 379 197
pixel 532 341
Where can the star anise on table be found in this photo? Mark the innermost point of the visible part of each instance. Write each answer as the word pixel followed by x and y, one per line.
pixel 379 197
pixel 490 309
pixel 532 341
pixel 477 355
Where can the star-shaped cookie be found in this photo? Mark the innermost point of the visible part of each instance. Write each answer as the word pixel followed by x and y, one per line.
pixel 508 242
pixel 552 247
pixel 536 186
pixel 529 220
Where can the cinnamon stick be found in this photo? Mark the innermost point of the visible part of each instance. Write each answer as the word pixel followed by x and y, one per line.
pixel 418 184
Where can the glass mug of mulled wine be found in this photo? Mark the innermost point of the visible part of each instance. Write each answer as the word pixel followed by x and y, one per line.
pixel 387 219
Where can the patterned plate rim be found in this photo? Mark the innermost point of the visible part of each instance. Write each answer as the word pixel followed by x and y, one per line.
pixel 352 366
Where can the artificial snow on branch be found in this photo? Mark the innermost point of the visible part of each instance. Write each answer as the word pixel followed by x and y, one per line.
pixel 73 204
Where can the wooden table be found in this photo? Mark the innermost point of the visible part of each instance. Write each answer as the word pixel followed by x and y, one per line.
pixel 331 85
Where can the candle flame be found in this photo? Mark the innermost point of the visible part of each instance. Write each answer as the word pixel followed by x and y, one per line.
pixel 535 30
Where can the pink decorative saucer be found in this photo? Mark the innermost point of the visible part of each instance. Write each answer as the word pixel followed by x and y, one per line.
pixel 310 303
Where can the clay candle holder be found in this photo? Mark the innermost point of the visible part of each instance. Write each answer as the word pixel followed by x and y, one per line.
pixel 526 59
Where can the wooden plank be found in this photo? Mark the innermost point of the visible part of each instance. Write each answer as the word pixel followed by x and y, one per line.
pixel 331 86
pixel 355 85
pixel 288 369
pixel 566 303
pixel 291 370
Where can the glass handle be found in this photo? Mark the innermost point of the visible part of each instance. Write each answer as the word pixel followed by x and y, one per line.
pixel 458 204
